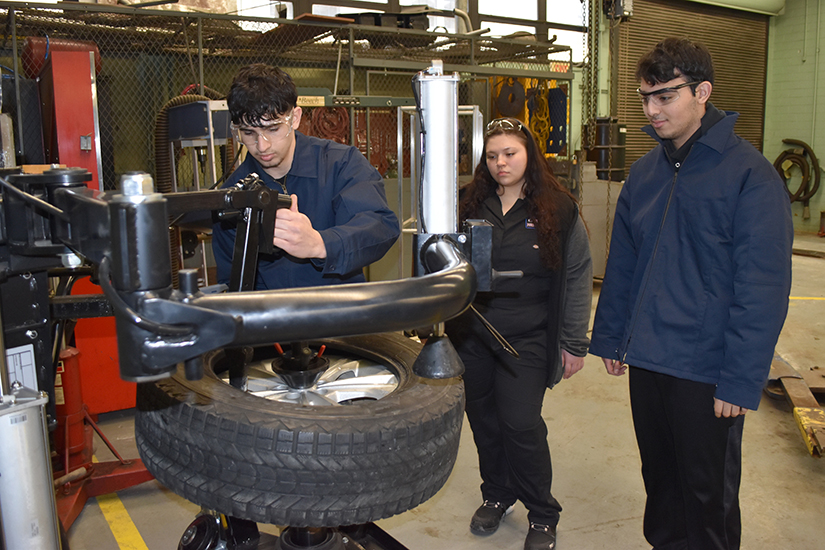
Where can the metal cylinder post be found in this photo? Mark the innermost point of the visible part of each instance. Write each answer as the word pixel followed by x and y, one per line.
pixel 140 265
pixel 26 476
pixel 439 113
pixel 5 383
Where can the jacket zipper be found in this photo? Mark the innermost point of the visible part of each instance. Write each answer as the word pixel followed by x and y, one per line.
pixel 650 264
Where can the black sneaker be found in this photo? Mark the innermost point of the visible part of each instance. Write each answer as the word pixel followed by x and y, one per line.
pixel 488 516
pixel 540 537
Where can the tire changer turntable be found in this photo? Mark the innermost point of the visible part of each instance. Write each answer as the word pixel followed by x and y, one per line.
pixel 166 334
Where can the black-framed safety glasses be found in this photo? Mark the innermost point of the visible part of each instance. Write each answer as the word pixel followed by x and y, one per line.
pixel 665 95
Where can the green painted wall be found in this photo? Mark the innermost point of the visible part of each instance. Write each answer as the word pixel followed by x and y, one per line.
pixel 795 98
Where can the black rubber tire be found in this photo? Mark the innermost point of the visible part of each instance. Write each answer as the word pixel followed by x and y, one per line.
pixel 286 464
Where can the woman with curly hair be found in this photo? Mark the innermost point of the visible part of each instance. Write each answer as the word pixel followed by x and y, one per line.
pixel 544 315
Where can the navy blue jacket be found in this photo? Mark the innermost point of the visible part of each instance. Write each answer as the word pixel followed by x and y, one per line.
pixel 343 196
pixel 699 272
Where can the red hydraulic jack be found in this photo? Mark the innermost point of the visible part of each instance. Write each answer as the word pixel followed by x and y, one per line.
pixel 80 479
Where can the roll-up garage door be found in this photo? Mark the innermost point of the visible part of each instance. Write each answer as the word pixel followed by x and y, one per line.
pixel 738 42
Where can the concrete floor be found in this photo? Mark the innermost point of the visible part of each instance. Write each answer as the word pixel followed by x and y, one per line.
pixel 595 460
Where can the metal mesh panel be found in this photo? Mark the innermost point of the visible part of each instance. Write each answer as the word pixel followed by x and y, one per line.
pixel 150 61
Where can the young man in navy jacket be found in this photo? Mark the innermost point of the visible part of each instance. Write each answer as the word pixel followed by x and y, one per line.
pixel 339 222
pixel 695 294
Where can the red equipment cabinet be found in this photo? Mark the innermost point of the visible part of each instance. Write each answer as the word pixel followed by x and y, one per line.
pixel 102 388
pixel 68 105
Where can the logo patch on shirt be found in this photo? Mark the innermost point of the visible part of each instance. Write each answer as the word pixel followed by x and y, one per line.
pixel 529 223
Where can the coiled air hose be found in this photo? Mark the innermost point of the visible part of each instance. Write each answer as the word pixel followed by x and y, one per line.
pixel 163 161
pixel 808 166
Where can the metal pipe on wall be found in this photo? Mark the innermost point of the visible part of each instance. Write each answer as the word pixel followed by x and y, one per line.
pixel 816 73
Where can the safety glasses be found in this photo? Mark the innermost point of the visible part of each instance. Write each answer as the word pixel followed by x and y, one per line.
pixel 504 124
pixel 271 132
pixel 663 96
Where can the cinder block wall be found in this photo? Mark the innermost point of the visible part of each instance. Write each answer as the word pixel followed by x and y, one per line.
pixel 795 99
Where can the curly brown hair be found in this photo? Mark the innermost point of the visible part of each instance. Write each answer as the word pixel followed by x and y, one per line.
pixel 543 194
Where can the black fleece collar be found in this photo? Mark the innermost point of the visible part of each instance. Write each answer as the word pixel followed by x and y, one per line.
pixel 712 116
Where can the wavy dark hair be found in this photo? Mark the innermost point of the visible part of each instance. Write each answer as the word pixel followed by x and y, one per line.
pixel 260 92
pixel 674 57
pixel 543 193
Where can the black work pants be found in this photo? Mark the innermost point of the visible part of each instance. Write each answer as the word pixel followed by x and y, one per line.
pixel 504 400
pixel 691 463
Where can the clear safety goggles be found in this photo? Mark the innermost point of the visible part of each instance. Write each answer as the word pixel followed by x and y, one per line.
pixel 272 132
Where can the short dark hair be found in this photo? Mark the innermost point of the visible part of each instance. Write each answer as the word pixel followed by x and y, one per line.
pixel 258 92
pixel 674 57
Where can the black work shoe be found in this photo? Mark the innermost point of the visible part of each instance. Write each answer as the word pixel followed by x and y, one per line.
pixel 488 516
pixel 540 537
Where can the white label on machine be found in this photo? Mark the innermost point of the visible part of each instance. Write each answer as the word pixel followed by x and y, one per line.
pixel 21 365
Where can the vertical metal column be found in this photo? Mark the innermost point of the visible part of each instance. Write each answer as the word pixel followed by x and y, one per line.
pixel 21 146
pixel 5 383
pixel 96 118
pixel 200 57
pixel 439 175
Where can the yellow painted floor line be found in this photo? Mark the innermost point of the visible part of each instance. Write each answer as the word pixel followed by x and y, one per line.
pixel 807 298
pixel 120 522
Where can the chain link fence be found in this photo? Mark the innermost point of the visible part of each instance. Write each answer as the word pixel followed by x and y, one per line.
pixel 148 62
pixel 151 66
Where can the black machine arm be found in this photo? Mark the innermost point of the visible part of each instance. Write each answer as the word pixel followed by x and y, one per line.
pixel 346 310
pixel 251 205
pixel 158 326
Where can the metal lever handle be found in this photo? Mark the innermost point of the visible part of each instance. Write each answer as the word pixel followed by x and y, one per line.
pixel 496 334
pixel 507 274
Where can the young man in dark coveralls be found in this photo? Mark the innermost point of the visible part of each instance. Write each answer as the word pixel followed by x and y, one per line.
pixel 694 297
pixel 339 221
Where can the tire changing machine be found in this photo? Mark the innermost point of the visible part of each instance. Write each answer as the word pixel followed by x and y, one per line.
pixel 437 105
pixel 53 218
